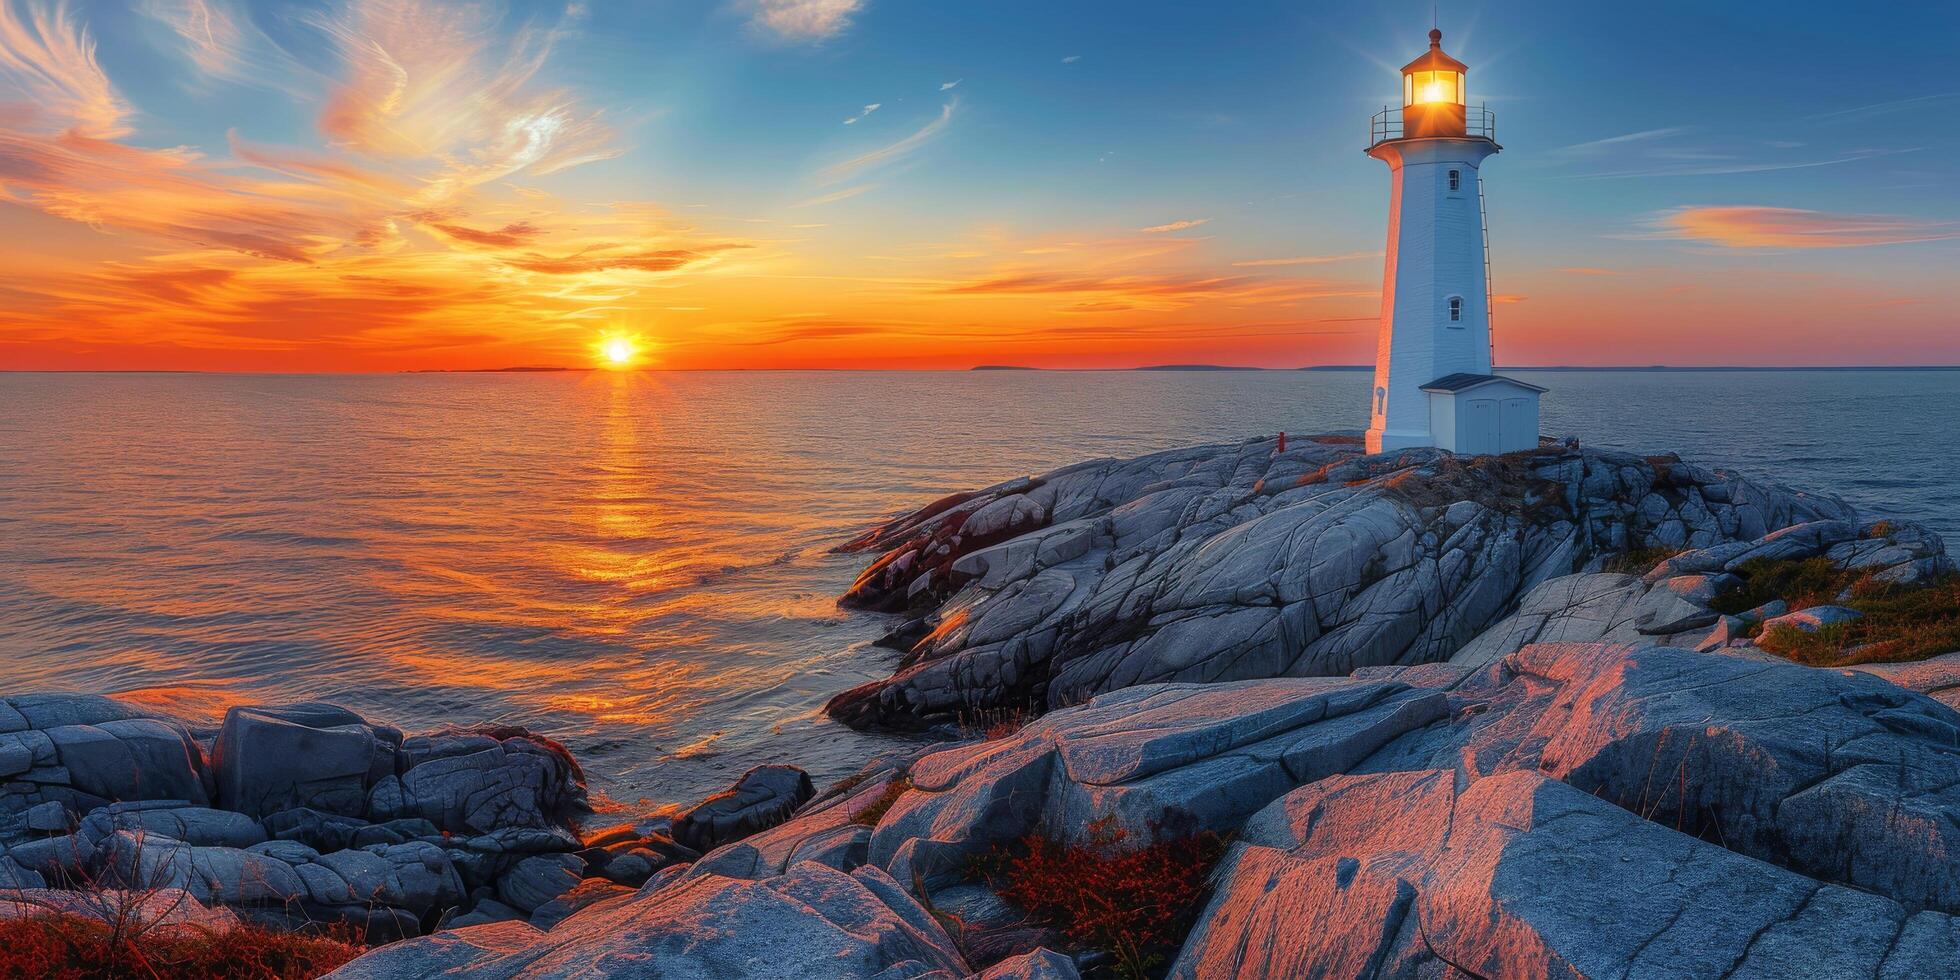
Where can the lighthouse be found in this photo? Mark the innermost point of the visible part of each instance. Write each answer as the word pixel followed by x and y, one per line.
pixel 1434 384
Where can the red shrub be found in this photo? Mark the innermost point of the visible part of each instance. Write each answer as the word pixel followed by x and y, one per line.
pixel 1137 903
pixel 66 947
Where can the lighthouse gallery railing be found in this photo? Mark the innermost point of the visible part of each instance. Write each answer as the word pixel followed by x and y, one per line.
pixel 1385 125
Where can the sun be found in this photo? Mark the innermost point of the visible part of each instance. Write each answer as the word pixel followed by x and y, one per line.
pixel 618 350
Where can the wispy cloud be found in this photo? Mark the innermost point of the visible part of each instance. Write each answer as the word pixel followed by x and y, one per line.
pixel 1071 59
pixel 949 86
pixel 804 20
pixel 1174 226
pixel 1307 259
pixel 886 154
pixel 868 110
pixel 1684 170
pixel 47 60
pixel 834 196
pixel 1645 135
pixel 1884 108
pixel 399 236
pixel 1754 227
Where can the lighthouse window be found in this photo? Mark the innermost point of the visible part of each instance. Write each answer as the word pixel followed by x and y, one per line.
pixel 1456 308
pixel 1456 179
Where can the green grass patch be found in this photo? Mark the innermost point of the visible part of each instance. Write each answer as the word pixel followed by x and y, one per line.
pixel 1896 624
pixel 1801 582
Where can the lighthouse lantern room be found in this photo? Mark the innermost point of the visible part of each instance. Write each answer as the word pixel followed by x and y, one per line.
pixel 1434 384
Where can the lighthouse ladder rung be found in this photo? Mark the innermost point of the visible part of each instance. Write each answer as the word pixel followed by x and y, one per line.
pixel 1490 299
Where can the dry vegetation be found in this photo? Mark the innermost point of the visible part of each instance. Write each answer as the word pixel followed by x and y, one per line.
pixel 1136 902
pixel 1896 623
pixel 70 947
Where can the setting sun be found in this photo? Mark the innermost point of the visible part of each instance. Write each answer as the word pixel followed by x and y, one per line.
pixel 618 351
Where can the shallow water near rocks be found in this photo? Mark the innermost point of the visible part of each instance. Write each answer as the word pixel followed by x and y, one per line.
pixel 638 563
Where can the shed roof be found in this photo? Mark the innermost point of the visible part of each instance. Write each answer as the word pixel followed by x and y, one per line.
pixel 1463 381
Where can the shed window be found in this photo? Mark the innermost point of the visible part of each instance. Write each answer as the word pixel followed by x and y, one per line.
pixel 1456 179
pixel 1456 309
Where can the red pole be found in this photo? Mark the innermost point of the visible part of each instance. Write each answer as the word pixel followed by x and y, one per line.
pixel 1282 442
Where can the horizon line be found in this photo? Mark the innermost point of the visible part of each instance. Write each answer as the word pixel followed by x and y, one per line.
pixel 986 368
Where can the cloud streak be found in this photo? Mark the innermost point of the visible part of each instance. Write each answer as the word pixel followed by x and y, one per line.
pixel 1754 227
pixel 1307 259
pixel 804 20
pixel 847 169
pixel 1167 228
pixel 47 61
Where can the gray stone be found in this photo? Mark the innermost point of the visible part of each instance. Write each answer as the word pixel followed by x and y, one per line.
pixel 764 797
pixel 304 755
pixel 1519 875
pixel 472 783
pixel 584 895
pixel 810 921
pixel 1231 562
pixel 198 826
pixel 1041 964
pixel 1812 619
pixel 538 879
pixel 50 818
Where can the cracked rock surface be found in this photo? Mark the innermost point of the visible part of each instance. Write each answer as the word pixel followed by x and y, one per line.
pixel 1237 561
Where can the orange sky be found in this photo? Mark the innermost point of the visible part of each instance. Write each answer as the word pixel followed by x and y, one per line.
pixel 410 185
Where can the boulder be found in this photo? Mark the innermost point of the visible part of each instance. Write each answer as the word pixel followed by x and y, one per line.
pixel 81 752
pixel 481 782
pixel 764 797
pixel 539 879
pixel 383 891
pixel 172 819
pixel 318 756
pixel 1812 619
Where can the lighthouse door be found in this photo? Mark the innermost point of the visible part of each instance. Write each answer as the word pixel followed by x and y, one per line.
pixel 1519 428
pixel 1479 428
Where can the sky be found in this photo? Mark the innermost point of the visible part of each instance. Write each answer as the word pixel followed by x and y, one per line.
pixel 382 185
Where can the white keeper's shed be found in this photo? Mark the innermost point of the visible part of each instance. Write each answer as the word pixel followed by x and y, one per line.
pixel 1481 414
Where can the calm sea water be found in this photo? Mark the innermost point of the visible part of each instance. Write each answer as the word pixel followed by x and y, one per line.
pixel 637 563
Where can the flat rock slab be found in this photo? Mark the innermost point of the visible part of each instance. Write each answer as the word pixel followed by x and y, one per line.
pixel 811 921
pixel 1401 874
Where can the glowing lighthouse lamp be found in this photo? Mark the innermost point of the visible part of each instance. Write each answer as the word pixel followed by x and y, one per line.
pixel 1433 380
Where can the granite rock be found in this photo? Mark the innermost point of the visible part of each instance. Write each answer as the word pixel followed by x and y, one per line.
pixel 1231 562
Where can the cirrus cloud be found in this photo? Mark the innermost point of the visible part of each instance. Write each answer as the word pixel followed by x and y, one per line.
pixel 1169 227
pixel 1758 227
pixel 803 20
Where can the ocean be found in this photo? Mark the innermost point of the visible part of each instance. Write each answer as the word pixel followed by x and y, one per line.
pixel 639 563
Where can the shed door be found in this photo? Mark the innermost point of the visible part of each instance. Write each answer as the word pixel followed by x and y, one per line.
pixel 1519 428
pixel 1478 427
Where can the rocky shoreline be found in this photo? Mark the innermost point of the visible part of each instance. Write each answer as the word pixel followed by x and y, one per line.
pixel 1487 717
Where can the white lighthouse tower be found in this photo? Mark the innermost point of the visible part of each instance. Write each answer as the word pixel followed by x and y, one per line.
pixel 1433 380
